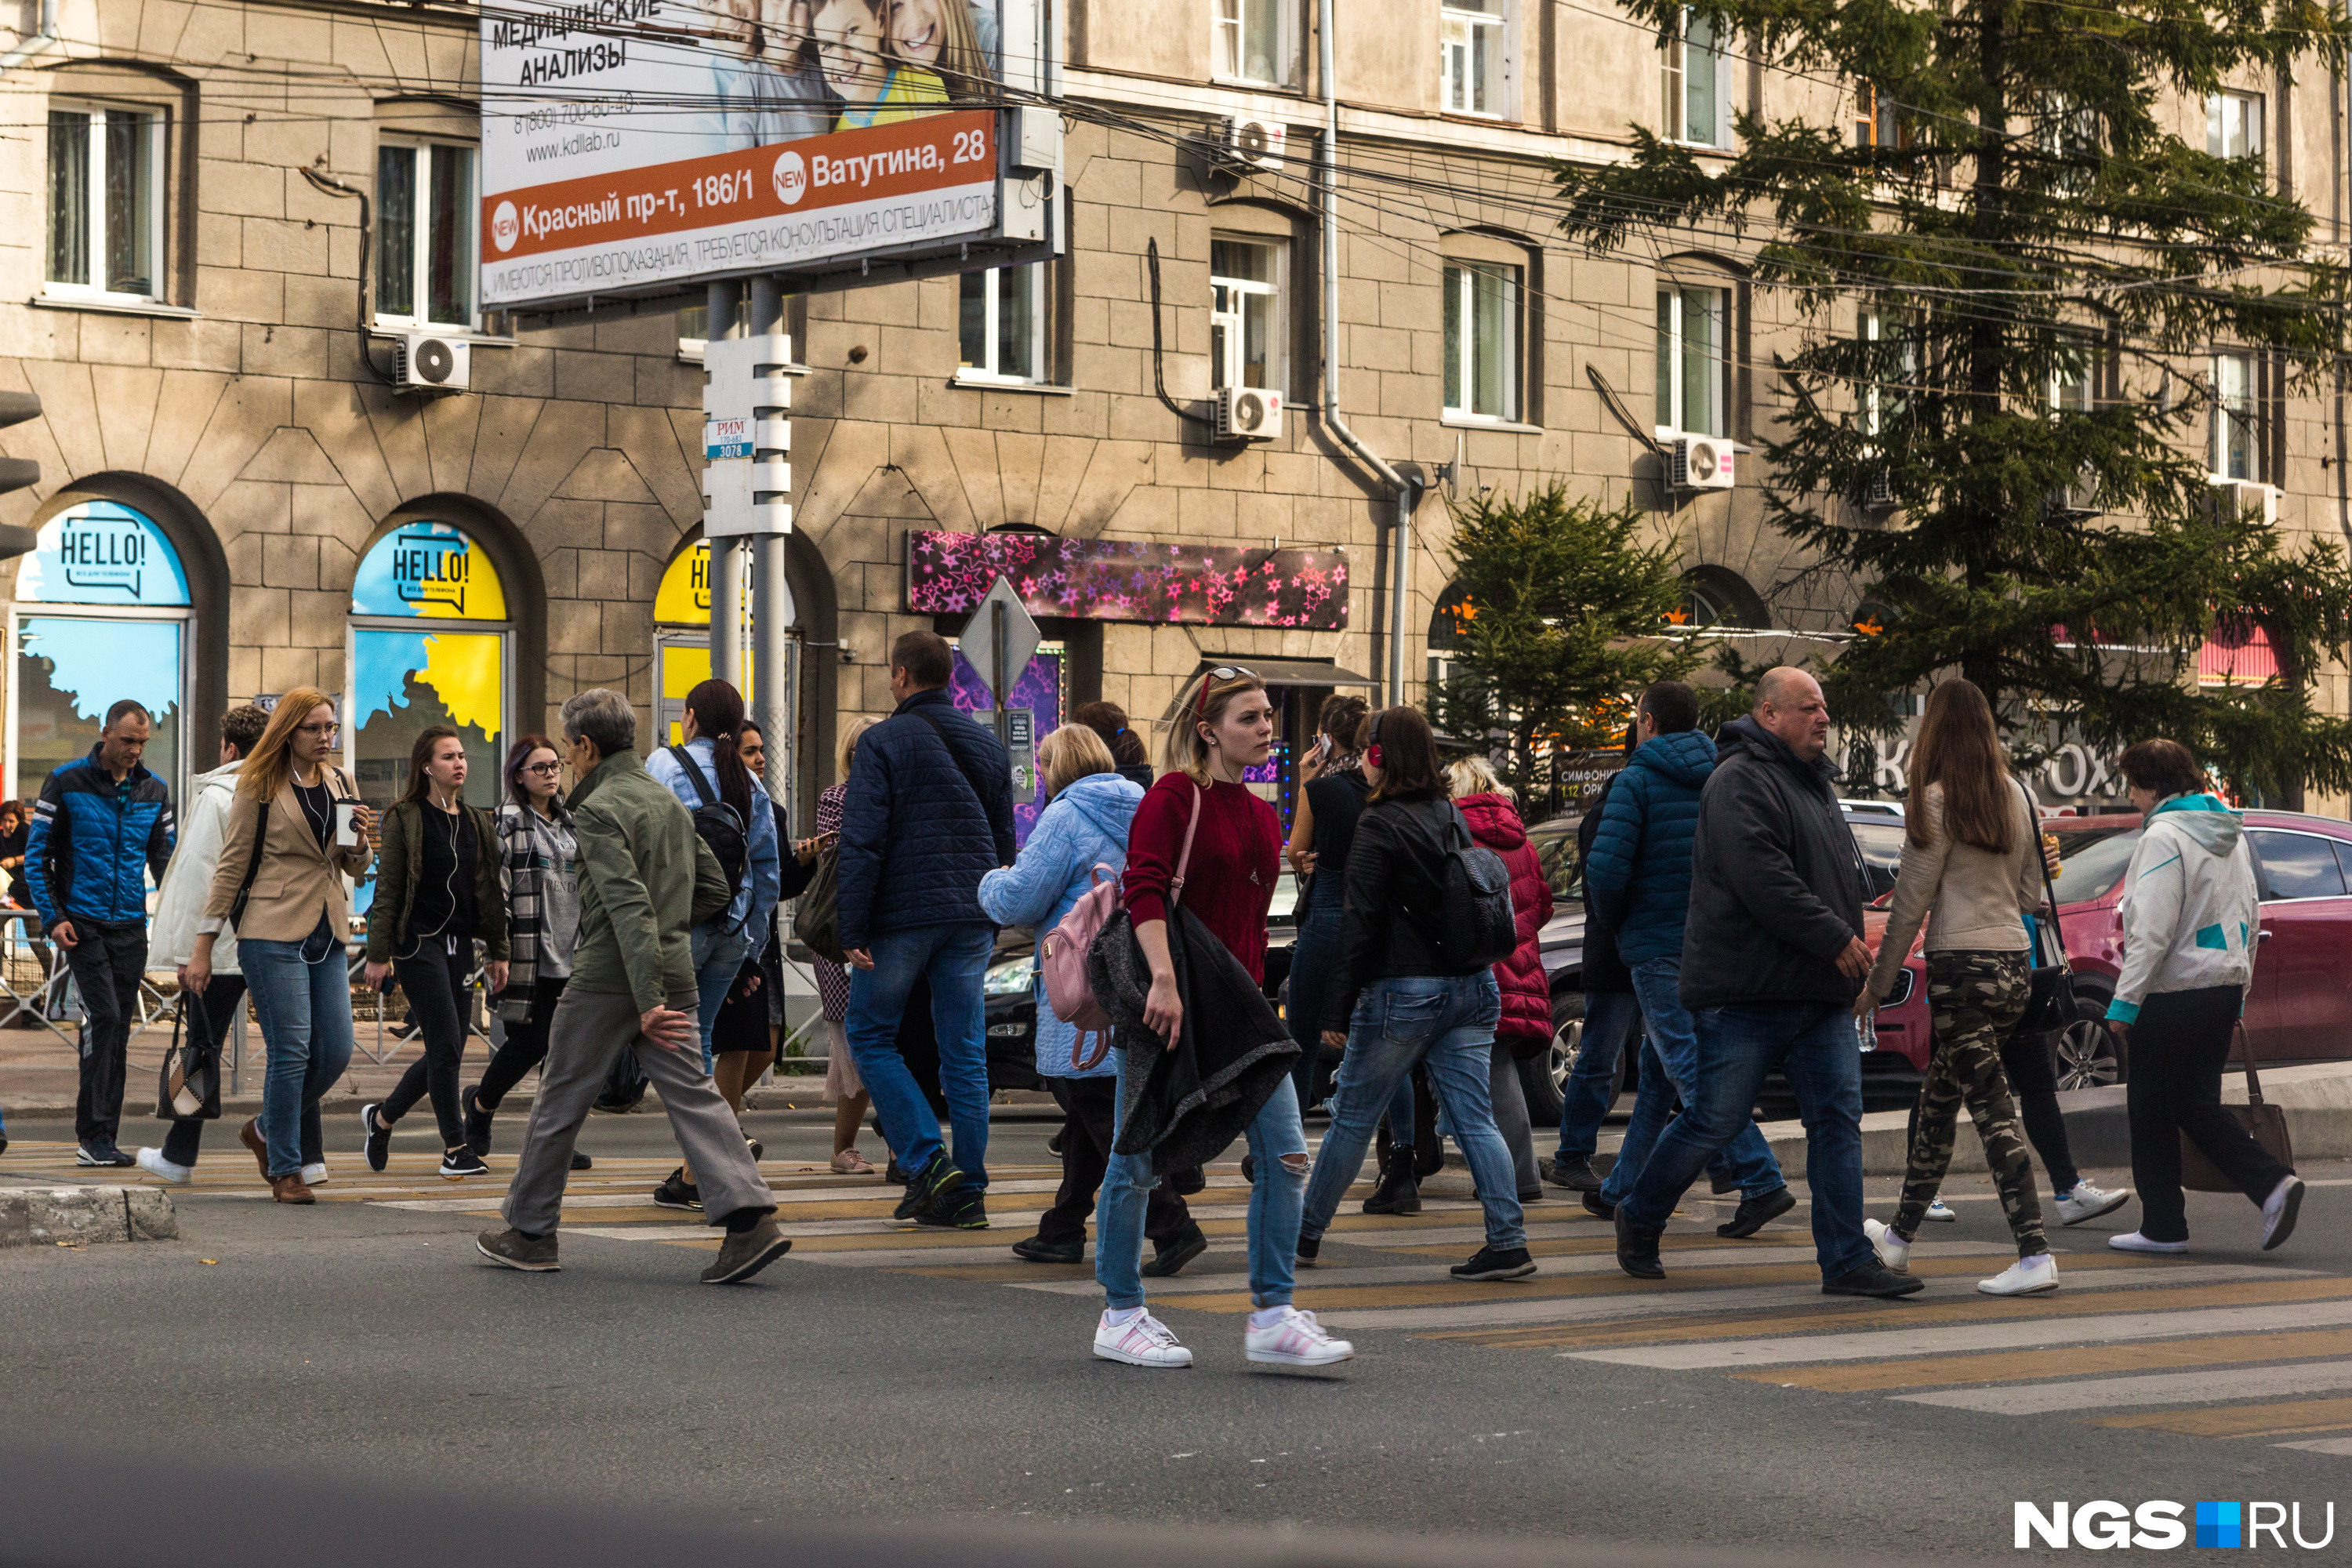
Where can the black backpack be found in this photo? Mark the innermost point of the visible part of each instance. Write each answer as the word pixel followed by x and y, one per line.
pixel 716 825
pixel 1476 925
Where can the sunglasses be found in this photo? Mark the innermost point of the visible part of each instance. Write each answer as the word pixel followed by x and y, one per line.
pixel 1223 672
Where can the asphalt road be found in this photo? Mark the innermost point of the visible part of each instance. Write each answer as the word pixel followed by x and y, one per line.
pixel 854 1381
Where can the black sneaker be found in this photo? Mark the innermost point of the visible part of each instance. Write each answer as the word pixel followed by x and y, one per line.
pixel 1487 1263
pixel 677 1193
pixel 924 1188
pixel 1168 1259
pixel 580 1162
pixel 478 1120
pixel 759 1150
pixel 1873 1279
pixel 1188 1181
pixel 1249 1169
pixel 892 1175
pixel 93 1155
pixel 378 1139
pixel 461 1162
pixel 1598 1207
pixel 1310 1251
pixel 1037 1249
pixel 1054 1144
pixel 1637 1250
pixel 1754 1214
pixel 1723 1187
pixel 961 1206
pixel 1576 1173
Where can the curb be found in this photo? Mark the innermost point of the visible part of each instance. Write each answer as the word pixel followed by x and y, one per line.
pixel 74 1217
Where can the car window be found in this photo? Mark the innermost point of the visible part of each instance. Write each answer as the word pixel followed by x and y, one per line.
pixel 1555 845
pixel 2092 861
pixel 1880 843
pixel 2298 865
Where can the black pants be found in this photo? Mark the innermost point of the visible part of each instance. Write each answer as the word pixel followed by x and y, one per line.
pixel 2027 1062
pixel 525 1047
pixel 216 1015
pixel 1090 1106
pixel 434 978
pixel 2177 1047
pixel 108 958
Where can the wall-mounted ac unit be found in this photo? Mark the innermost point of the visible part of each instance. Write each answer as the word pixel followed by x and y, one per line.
pixel 2235 498
pixel 1248 414
pixel 1253 144
pixel 1701 463
pixel 428 362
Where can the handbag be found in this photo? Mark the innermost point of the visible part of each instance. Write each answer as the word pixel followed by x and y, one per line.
pixel 816 913
pixel 190 1074
pixel 2052 1006
pixel 2266 1125
pixel 1119 929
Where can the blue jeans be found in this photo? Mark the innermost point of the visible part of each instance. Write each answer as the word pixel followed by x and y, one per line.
pixel 303 998
pixel 717 953
pixel 954 957
pixel 1610 1019
pixel 1312 956
pixel 1812 1042
pixel 1447 1022
pixel 1275 1136
pixel 1669 1066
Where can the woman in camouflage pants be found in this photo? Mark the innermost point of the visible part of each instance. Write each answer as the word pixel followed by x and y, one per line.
pixel 1971 868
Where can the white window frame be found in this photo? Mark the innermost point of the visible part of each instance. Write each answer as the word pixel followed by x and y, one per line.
pixel 1460 277
pixel 419 260
pixel 1458 33
pixel 1673 297
pixel 2237 397
pixel 2234 113
pixel 1877 325
pixel 101 116
pixel 1674 86
pixel 1031 277
pixel 1229 32
pixel 1225 367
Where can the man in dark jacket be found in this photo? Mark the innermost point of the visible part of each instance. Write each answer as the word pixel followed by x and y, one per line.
pixel 929 812
pixel 1611 1017
pixel 1774 956
pixel 1638 875
pixel 101 827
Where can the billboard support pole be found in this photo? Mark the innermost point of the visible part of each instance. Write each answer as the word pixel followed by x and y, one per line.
pixel 776 687
pixel 726 553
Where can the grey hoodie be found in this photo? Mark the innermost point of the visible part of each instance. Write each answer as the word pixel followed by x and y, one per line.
pixel 2189 907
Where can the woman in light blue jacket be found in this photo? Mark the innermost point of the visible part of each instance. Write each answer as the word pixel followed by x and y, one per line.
pixel 1085 825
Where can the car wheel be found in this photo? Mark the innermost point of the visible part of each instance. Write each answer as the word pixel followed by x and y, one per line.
pixel 1543 1078
pixel 2089 1055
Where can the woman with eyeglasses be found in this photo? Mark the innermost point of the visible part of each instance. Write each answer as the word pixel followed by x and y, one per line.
pixel 295 831
pixel 1223 728
pixel 535 850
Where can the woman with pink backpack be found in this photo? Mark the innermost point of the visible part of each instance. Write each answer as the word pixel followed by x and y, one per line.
pixel 1080 838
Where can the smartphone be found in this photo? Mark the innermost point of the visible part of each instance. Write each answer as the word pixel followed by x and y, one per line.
pixel 1323 745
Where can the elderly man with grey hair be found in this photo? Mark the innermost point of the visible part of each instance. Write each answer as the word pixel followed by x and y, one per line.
pixel 646 879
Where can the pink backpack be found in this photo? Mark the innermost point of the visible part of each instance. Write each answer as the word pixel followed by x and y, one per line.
pixel 1063 952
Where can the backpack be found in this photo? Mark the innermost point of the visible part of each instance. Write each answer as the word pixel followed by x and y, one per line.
pixel 1475 926
pixel 1063 952
pixel 715 824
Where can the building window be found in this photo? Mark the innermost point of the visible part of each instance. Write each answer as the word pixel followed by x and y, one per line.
pixel 1000 324
pixel 1482 339
pixel 2234 125
pixel 1473 57
pixel 1249 40
pixel 2237 418
pixel 1894 367
pixel 425 227
pixel 1698 84
pixel 1245 314
pixel 106 202
pixel 1693 360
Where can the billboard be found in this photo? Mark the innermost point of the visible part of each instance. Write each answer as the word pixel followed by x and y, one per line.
pixel 629 144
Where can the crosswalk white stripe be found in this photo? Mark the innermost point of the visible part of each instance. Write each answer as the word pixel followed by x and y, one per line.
pixel 2320 1446
pixel 2150 1388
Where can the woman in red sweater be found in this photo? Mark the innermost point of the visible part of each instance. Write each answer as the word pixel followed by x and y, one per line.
pixel 1223 727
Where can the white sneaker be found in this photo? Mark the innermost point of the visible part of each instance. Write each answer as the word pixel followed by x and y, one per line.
pixel 151 1160
pixel 1941 1213
pixel 1294 1339
pixel 2133 1241
pixel 2087 1202
pixel 315 1175
pixel 2279 1211
pixel 2024 1277
pixel 1141 1341
pixel 1892 1249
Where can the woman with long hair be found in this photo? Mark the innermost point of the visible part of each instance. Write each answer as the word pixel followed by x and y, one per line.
pixel 1971 868
pixel 280 886
pixel 437 890
pixel 535 850
pixel 1492 811
pixel 2190 913
pixel 842 1084
pixel 1222 727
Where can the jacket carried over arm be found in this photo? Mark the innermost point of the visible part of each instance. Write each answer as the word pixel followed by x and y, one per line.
pixel 1638 873
pixel 1978 897
pixel 94 842
pixel 2190 905
pixel 928 814
pixel 646 879
pixel 401 861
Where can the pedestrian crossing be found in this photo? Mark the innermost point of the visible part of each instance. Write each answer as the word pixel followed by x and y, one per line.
pixel 2228 1346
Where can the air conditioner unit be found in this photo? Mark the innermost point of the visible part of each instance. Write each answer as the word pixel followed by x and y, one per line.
pixel 2235 498
pixel 1248 414
pixel 427 362
pixel 1254 145
pixel 1701 463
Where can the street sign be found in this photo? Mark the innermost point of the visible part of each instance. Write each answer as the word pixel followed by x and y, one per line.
pixel 1004 635
pixel 1020 732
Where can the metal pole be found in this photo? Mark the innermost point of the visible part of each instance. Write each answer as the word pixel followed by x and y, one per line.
pixel 773 685
pixel 725 554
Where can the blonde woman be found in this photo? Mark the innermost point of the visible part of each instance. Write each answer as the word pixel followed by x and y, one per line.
pixel 286 860
pixel 842 1084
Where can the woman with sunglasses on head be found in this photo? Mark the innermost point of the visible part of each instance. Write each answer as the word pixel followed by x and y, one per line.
pixel 1223 727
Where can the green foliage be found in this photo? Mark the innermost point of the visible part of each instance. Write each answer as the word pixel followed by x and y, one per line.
pixel 1558 626
pixel 2035 223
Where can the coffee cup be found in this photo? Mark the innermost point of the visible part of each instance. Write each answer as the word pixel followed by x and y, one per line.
pixel 347 832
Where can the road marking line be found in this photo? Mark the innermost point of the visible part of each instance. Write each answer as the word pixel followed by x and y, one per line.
pixel 2324 1445
pixel 2093 1349
pixel 2157 1388
pixel 2243 1420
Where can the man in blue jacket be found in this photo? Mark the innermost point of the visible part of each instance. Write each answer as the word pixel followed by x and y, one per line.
pixel 101 827
pixel 929 812
pixel 1638 874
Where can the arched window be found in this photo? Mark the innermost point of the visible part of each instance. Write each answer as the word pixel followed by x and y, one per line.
pixel 1449 623
pixel 431 644
pixel 101 614
pixel 1713 596
pixel 682 635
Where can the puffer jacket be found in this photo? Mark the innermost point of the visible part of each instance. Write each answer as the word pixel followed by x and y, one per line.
pixel 928 814
pixel 95 842
pixel 1640 867
pixel 1526 994
pixel 1083 826
pixel 2189 907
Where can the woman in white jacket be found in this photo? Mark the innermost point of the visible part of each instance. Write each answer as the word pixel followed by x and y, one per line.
pixel 2189 913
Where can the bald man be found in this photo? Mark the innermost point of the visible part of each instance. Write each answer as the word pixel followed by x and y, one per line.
pixel 1772 957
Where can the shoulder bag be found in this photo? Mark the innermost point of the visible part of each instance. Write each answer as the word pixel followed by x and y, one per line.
pixel 1119 928
pixel 2052 1006
pixel 816 913
pixel 189 1086
pixel 2264 1123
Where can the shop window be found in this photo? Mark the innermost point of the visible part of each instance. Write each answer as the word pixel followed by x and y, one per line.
pixel 1247 41
pixel 1696 88
pixel 2234 125
pixel 1482 340
pixel 100 613
pixel 1000 324
pixel 1473 60
pixel 682 634
pixel 424 214
pixel 1245 313
pixel 1693 360
pixel 1449 631
pixel 105 202
pixel 1043 691
pixel 2236 448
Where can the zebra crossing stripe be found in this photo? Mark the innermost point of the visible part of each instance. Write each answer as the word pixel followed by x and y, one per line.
pixel 2079 1360
pixel 2246 1420
pixel 2154 1388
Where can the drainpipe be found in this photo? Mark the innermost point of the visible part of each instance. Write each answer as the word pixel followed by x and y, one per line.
pixel 40 43
pixel 1407 492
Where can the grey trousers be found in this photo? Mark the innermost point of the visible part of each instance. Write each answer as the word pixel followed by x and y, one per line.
pixel 589 1030
pixel 1511 1112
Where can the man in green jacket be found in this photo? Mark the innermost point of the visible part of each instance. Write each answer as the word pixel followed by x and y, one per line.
pixel 646 879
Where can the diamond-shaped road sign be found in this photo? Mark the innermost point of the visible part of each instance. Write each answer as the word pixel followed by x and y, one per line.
pixel 1000 639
